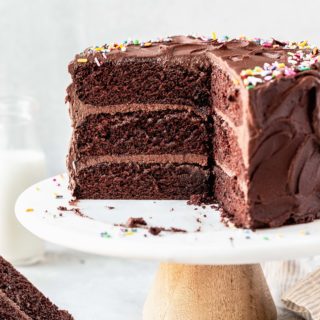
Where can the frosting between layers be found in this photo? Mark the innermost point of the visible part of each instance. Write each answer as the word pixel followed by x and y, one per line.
pixel 85 162
pixel 80 110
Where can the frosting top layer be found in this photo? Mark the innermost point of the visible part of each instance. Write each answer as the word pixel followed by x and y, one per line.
pixel 253 60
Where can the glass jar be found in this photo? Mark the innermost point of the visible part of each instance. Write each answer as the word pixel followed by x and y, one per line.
pixel 22 163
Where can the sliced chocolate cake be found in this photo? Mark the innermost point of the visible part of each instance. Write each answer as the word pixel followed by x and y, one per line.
pixel 9 310
pixel 236 120
pixel 20 300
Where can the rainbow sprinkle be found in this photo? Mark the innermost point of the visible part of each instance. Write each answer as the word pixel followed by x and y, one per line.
pixel 304 233
pixel 29 210
pixel 299 61
pixel 105 235
pixel 97 61
pixel 82 60
pixel 128 231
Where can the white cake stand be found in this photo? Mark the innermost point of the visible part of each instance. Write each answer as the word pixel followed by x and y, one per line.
pixel 208 272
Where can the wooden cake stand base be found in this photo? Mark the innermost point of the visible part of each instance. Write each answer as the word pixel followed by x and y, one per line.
pixel 199 292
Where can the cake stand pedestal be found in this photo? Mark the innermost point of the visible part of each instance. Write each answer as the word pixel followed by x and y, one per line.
pixel 209 272
pixel 190 292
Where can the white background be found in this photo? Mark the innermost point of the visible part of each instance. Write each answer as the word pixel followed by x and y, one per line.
pixel 38 38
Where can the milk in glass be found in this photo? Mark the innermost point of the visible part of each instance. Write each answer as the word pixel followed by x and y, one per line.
pixel 22 163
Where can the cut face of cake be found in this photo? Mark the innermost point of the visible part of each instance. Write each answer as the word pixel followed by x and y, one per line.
pixel 20 300
pixel 142 131
pixel 235 120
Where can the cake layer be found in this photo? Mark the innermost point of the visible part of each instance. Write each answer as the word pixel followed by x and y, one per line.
pixel 141 132
pixel 226 149
pixel 29 299
pixel 9 310
pixel 140 181
pixel 153 79
pixel 231 198
pixel 226 94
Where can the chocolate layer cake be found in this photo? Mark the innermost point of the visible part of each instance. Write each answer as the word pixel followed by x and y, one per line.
pixel 20 300
pixel 236 120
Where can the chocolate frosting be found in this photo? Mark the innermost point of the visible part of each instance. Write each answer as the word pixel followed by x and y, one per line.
pixel 284 150
pixel 236 54
pixel 162 158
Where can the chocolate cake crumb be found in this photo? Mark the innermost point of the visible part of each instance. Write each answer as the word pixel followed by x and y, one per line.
pixel 200 200
pixel 215 206
pixel 135 222
pixel 198 229
pixel 172 209
pixel 155 230
pixel 73 202
pixel 173 229
pixel 119 225
pixel 61 208
pixel 110 207
pixel 196 200
pixel 141 223
pixel 198 220
pixel 77 211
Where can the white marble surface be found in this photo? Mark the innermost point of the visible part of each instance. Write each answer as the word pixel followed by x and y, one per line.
pixel 93 287
pixel 99 288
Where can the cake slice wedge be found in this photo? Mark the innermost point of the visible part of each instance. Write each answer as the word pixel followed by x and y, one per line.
pixel 18 297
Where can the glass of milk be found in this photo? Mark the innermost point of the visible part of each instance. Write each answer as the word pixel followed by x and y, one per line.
pixel 22 163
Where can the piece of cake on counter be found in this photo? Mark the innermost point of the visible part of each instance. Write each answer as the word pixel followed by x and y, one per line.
pixel 235 120
pixel 20 300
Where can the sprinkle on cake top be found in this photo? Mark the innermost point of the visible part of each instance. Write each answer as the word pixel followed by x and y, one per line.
pixel 298 61
pixel 299 56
